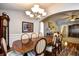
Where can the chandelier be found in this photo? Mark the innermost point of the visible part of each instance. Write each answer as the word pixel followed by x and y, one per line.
pixel 36 12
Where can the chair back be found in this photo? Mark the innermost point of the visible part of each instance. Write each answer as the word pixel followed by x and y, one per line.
pixel 40 35
pixel 55 35
pixel 4 45
pixel 25 38
pixel 40 46
pixel 33 36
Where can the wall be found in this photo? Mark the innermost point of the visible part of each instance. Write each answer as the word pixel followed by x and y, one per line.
pixel 58 22
pixel 60 8
pixel 15 27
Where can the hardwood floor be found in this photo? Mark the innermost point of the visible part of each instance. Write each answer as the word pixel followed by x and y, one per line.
pixel 72 49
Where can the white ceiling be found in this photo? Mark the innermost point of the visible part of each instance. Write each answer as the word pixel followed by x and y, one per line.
pixel 24 6
pixel 66 15
pixel 46 6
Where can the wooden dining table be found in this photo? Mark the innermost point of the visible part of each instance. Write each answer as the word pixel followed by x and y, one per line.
pixel 22 48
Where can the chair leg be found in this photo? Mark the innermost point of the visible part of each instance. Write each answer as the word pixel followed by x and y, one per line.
pixel 25 54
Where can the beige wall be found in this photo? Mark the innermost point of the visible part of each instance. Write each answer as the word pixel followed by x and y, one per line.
pixel 59 8
pixel 15 27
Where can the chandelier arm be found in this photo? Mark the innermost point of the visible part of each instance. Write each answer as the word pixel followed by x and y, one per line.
pixel 36 12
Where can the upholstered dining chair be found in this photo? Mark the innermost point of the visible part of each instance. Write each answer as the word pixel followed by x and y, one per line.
pixel 25 38
pixel 14 53
pixel 33 36
pixel 4 46
pixel 39 48
pixel 40 35
pixel 51 48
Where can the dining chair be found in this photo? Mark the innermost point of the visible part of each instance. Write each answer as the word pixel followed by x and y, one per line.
pixel 40 35
pixel 14 53
pixel 4 46
pixel 25 38
pixel 51 48
pixel 33 36
pixel 39 48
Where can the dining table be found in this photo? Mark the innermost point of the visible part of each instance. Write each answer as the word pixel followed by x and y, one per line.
pixel 22 48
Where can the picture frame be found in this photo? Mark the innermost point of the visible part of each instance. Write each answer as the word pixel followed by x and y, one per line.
pixel 27 27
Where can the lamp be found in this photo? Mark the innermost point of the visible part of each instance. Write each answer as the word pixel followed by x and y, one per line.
pixel 36 12
pixel 66 43
pixel 72 20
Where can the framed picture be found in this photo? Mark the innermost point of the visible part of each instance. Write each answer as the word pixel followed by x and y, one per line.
pixel 27 27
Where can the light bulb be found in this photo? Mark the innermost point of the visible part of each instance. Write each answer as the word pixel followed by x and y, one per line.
pixel 31 15
pixel 35 9
pixel 28 12
pixel 39 16
pixel 65 43
pixel 44 14
pixel 72 20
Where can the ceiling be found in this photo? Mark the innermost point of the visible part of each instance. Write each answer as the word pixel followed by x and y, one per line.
pixel 66 15
pixel 24 6
pixel 46 6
